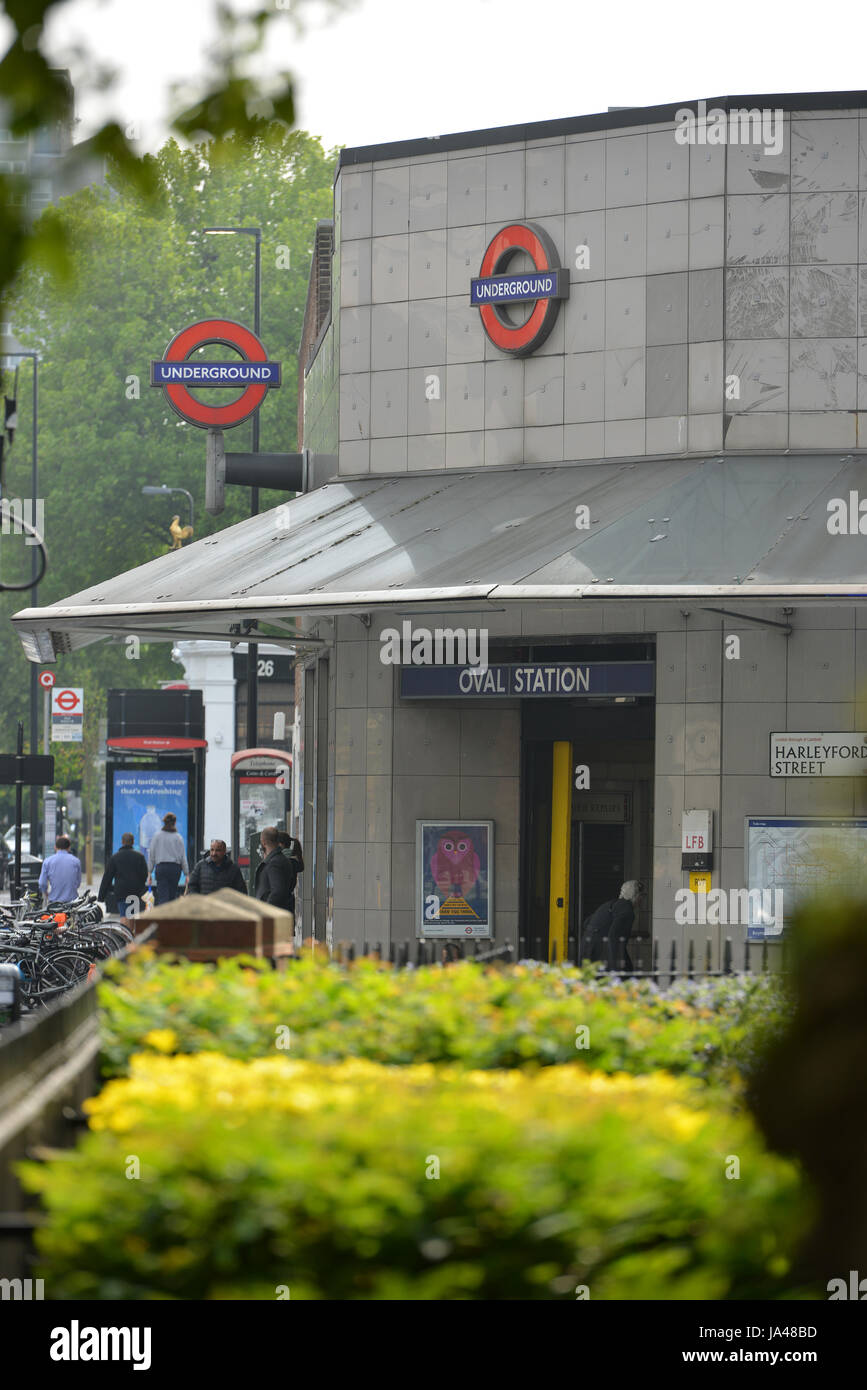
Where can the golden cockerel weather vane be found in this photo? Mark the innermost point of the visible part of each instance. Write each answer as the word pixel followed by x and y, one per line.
pixel 179 533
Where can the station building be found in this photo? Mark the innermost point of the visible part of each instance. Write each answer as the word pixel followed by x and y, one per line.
pixel 591 392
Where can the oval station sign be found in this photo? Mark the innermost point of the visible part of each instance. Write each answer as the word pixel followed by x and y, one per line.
pixel 176 373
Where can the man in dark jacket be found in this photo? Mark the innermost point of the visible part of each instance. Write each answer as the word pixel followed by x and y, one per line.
pixel 276 875
pixel 216 871
pixel 123 883
pixel 608 929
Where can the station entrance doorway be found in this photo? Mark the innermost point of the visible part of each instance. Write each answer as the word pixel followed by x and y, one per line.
pixel 587 806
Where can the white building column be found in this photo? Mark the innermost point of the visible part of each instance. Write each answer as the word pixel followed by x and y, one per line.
pixel 208 667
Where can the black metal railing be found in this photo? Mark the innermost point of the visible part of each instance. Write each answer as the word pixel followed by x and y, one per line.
pixel 624 958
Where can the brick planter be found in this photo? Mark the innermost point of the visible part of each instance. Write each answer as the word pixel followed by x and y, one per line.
pixel 226 923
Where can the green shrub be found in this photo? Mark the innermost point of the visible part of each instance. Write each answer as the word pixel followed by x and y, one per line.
pixel 465 1015
pixel 321 1178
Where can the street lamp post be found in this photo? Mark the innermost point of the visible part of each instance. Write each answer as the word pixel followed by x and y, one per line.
pixel 163 491
pixel 34 580
pixel 252 648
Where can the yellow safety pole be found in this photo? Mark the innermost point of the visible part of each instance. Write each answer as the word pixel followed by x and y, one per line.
pixel 561 849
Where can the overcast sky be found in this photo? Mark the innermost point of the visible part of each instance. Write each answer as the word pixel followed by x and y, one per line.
pixel 395 69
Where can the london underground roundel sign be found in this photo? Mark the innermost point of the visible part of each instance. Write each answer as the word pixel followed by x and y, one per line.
pixel 176 373
pixel 542 288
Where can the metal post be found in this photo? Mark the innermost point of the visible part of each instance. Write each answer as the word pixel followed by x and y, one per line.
pixel 252 648
pixel 257 328
pixel 34 570
pixel 252 695
pixel 19 787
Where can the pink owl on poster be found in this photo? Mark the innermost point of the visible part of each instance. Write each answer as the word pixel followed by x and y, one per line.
pixel 455 865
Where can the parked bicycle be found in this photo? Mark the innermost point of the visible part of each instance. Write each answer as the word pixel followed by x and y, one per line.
pixel 57 946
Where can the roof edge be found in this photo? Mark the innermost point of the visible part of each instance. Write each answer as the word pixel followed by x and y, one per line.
pixel 604 120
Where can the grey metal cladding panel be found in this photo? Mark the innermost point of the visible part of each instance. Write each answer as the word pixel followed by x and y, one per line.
pixel 824 228
pixel 366 538
pixel 666 308
pixel 723 523
pixel 824 154
pixel 809 552
pixel 422 531
pixel 207 569
pixel 463 529
pixel 754 168
pixel 758 229
pixel 757 302
pixel 824 301
pixel 535 515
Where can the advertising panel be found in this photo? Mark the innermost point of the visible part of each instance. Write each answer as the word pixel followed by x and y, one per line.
pixel 142 796
pixel 454 878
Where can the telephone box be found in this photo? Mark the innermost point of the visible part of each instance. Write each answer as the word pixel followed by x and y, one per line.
pixel 261 788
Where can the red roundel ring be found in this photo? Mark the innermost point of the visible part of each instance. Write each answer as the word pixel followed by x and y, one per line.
pixel 524 339
pixel 230 334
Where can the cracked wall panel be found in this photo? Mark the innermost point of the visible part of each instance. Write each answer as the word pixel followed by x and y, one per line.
pixel 757 302
pixel 824 228
pixel 824 374
pixel 823 301
pixel 762 371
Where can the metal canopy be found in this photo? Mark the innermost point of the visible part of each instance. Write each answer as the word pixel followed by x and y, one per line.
pixel 750 528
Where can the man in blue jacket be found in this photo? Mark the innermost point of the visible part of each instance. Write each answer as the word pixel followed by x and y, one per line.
pixel 60 878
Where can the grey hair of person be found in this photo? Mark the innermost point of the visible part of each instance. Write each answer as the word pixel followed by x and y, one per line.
pixel 631 890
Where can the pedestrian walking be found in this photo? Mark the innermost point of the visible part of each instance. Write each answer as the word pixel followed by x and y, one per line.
pixel 60 878
pixel 167 860
pixel 277 874
pixel 610 925
pixel 291 848
pixel 125 879
pixel 217 870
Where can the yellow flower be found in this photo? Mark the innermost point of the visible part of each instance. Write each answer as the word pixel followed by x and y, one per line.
pixel 161 1039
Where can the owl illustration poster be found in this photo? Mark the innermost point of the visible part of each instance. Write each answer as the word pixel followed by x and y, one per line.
pixel 454 876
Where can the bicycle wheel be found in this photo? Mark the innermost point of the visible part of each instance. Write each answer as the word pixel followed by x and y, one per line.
pixel 61 970
pixel 114 933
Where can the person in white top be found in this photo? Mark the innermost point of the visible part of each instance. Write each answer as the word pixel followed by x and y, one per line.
pixel 167 860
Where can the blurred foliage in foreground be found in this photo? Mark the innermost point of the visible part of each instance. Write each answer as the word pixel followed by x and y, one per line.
pixel 258 1176
pixel 466 1015
pixel 229 98
pixel 809 1093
